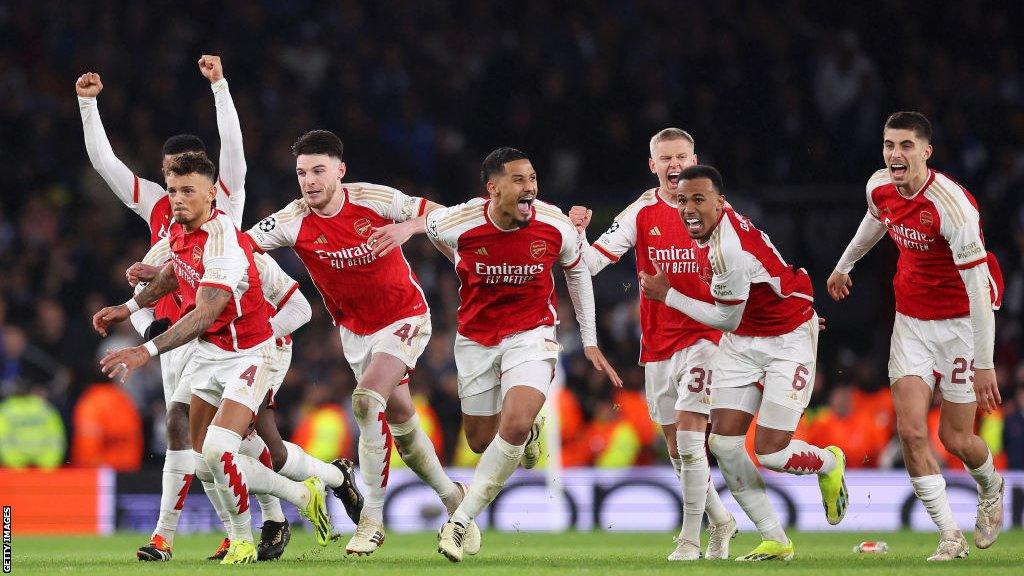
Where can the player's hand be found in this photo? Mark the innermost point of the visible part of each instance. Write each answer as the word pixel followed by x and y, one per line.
pixel 839 285
pixel 654 287
pixel 601 364
pixel 386 238
pixel 140 272
pixel 107 317
pixel 986 390
pixel 821 323
pixel 211 67
pixel 580 217
pixel 119 365
pixel 89 85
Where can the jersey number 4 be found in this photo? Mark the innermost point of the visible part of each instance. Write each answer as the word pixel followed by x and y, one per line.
pixel 249 376
pixel 407 332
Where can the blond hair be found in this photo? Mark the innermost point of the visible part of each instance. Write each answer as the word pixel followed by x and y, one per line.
pixel 670 134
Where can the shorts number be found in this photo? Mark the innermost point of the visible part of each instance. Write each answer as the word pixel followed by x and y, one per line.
pixel 961 367
pixel 701 380
pixel 406 333
pixel 249 376
pixel 800 377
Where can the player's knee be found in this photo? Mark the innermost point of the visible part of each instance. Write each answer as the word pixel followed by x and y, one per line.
pixel 177 426
pixel 954 441
pixel 912 434
pixel 722 446
pixel 478 443
pixel 366 403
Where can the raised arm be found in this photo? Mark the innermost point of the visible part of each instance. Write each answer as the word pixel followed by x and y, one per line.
pixel 136 193
pixel 232 153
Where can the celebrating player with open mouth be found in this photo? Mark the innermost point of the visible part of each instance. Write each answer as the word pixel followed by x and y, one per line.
pixel 765 306
pixel 675 350
pixel 505 248
pixel 946 287
pixel 232 365
pixel 347 235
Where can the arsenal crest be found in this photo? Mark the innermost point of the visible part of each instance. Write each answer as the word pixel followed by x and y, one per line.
pixel 197 254
pixel 362 227
pixel 926 218
pixel 538 248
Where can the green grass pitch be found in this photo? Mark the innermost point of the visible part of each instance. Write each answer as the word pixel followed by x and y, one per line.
pixel 520 554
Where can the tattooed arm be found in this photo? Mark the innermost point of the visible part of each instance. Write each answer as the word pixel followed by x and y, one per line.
pixel 164 283
pixel 210 302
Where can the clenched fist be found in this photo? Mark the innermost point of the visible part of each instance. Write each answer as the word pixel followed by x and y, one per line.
pixel 89 85
pixel 211 67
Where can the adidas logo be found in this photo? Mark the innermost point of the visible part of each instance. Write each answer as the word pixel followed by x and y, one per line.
pixel 482 251
pixel 321 239
pixel 655 231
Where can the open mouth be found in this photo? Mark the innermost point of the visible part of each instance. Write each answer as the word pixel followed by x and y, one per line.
pixel 525 205
pixel 693 225
pixel 673 178
pixel 898 170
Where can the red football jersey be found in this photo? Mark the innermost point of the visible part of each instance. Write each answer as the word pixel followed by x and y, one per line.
pixel 507 281
pixel 361 292
pixel 938 233
pixel 216 255
pixel 747 267
pixel 653 227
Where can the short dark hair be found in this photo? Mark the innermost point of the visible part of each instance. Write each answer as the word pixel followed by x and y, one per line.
pixel 703 171
pixel 191 163
pixel 319 142
pixel 495 162
pixel 183 143
pixel 911 120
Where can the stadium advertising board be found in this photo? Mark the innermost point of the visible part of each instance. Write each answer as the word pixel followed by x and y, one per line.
pixel 642 499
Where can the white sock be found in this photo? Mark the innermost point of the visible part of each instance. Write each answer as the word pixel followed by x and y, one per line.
pixel 986 476
pixel 746 484
pixel 375 443
pixel 179 469
pixel 220 451
pixel 799 458
pixel 677 463
pixel 931 491
pixel 213 493
pixel 497 463
pixel 300 465
pixel 254 447
pixel 417 451
pixel 263 480
pixel 694 477
pixel 713 507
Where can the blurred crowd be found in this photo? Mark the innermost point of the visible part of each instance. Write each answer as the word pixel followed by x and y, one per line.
pixel 787 100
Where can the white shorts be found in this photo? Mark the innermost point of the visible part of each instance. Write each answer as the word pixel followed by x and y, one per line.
pixel 172 363
pixel 680 383
pixel 935 350
pixel 283 360
pixel 781 366
pixel 484 371
pixel 404 339
pixel 245 377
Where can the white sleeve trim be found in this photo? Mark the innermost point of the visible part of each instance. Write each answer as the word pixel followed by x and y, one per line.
pixel 293 315
pixel 581 291
pixel 724 317
pixel 870 231
pixel 983 320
